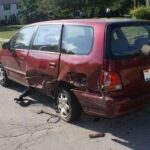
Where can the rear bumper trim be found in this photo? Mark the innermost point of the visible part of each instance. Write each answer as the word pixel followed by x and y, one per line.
pixel 109 107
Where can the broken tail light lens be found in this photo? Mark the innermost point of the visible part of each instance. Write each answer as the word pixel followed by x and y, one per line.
pixel 110 81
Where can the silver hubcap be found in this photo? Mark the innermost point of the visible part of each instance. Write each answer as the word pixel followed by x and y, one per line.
pixel 1 75
pixel 63 105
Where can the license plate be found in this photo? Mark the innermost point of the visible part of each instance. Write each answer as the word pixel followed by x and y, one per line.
pixel 146 74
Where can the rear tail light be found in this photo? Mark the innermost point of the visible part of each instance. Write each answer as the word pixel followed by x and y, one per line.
pixel 110 81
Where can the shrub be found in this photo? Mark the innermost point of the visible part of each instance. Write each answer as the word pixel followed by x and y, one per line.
pixel 141 13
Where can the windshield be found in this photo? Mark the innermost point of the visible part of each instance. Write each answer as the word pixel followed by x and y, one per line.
pixel 130 40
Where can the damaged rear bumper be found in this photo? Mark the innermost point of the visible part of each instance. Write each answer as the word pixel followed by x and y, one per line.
pixel 105 106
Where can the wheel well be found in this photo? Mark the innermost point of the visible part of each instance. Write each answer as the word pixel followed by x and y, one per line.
pixel 58 84
pixel 66 86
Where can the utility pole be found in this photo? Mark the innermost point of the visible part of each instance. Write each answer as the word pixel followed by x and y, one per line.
pixel 86 1
pixel 147 3
pixel 134 4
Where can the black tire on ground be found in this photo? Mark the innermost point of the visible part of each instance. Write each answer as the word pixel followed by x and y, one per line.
pixel 3 77
pixel 67 105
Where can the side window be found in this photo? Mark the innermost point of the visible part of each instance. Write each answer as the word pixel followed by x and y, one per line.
pixel 22 39
pixel 77 40
pixel 47 38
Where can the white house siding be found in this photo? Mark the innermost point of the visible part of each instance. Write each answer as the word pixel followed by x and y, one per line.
pixel 14 9
pixel 8 13
pixel 2 12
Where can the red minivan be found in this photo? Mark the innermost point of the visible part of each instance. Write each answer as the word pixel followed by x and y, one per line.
pixel 100 66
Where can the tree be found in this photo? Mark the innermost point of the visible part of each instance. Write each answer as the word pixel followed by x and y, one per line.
pixel 37 10
pixel 28 8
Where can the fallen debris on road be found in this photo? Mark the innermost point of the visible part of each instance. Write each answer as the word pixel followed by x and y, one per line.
pixel 54 118
pixel 96 135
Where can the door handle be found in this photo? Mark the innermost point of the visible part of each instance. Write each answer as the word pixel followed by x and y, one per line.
pixel 52 65
pixel 21 58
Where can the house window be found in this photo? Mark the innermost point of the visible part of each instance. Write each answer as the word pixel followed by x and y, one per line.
pixel 18 5
pixel 6 18
pixel 6 6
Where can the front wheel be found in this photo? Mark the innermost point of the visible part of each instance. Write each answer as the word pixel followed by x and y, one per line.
pixel 3 77
pixel 68 107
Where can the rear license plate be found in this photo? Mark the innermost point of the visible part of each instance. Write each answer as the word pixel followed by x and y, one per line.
pixel 146 74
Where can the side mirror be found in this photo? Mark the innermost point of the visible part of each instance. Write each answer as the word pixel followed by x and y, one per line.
pixel 6 46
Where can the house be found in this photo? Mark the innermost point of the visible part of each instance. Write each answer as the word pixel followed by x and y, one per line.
pixel 9 10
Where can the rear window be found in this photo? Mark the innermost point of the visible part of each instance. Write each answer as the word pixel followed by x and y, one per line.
pixel 77 40
pixel 130 40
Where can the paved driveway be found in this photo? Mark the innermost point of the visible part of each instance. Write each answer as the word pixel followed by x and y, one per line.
pixel 21 128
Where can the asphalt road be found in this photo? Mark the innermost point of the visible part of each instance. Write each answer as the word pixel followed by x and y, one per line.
pixel 21 128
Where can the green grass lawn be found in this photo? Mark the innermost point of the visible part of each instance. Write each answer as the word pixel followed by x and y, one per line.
pixel 7 32
pixel 1 43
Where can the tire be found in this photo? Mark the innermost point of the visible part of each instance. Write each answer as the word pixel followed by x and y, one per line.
pixel 3 77
pixel 67 106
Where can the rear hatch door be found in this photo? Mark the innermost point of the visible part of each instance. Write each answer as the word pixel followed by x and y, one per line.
pixel 129 55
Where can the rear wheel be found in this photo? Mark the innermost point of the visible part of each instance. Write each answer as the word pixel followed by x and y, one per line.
pixel 3 77
pixel 68 107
